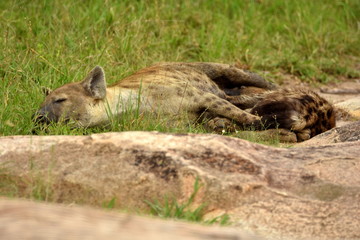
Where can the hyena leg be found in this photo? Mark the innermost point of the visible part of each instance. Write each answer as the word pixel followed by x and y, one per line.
pixel 229 77
pixel 303 135
pixel 219 107
pixel 284 135
pixel 245 101
pixel 220 125
pixel 224 125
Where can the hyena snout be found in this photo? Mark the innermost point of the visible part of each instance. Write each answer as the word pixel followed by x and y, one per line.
pixel 44 116
pixel 40 119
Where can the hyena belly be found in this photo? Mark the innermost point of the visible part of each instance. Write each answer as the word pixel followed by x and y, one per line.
pixel 301 111
pixel 178 88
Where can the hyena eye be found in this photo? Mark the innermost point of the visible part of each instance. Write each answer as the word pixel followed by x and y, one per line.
pixel 60 100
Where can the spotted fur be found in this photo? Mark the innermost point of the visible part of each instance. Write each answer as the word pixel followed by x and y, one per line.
pixel 302 111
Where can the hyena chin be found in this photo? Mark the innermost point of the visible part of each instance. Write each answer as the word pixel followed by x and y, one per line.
pixel 196 89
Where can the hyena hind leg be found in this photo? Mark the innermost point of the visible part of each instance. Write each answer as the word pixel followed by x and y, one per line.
pixel 223 125
pixel 228 76
pixel 245 101
pixel 218 107
pixel 303 135
pixel 220 125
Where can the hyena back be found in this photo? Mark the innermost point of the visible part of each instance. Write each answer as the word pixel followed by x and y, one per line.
pixel 169 88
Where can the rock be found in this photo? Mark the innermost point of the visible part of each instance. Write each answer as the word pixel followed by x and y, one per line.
pixel 297 193
pixel 345 97
pixel 40 221
pixel 346 133
pixel 340 91
pixel 352 106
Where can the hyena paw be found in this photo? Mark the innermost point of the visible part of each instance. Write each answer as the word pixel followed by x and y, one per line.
pixel 286 135
pixel 304 135
pixel 220 125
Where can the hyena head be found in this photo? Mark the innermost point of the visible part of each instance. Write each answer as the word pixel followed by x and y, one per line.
pixel 75 102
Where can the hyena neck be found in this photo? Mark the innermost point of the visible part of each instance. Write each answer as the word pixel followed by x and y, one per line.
pixel 116 102
pixel 119 99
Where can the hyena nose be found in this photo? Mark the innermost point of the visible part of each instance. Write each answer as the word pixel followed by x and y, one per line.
pixel 40 118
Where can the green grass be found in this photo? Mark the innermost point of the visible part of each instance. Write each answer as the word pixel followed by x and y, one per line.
pixel 48 43
pixel 171 208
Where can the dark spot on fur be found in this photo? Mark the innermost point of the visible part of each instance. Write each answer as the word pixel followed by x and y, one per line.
pixel 329 125
pixel 321 115
pixel 307 117
pixel 306 99
pixel 228 108
pixel 220 103
pixel 318 129
pixel 190 93
pixel 329 113
pixel 311 110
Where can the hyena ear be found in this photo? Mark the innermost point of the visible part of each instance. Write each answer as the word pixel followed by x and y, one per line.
pixel 95 83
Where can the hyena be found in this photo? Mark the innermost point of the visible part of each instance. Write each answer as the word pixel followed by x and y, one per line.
pixel 213 90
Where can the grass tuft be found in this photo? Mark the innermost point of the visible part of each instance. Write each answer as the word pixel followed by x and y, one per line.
pixel 171 208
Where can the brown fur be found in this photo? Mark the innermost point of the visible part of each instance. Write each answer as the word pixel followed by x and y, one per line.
pixel 176 88
pixel 302 111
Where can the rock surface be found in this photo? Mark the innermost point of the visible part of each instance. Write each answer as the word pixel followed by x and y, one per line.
pixel 298 193
pixel 345 97
pixel 346 133
pixel 352 106
pixel 29 220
